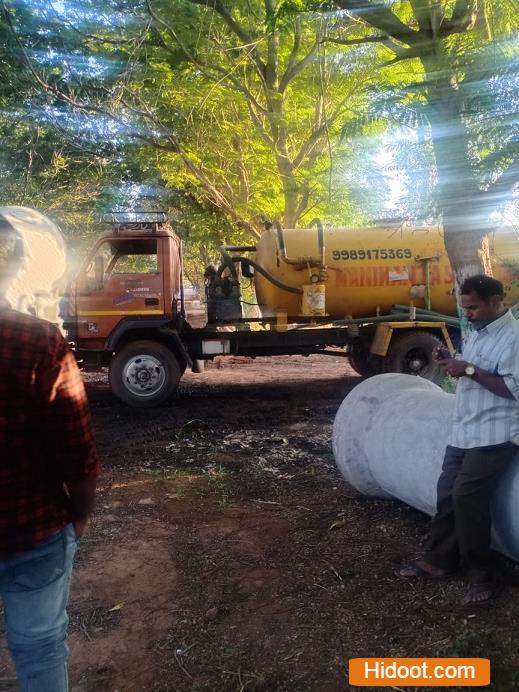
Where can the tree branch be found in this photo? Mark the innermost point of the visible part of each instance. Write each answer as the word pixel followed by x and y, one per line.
pixel 296 45
pixel 260 128
pixel 463 17
pixel 355 41
pixel 463 10
pixel 200 64
pixel 406 54
pixel 380 17
pixel 297 68
pixel 158 20
pixel 421 10
pixel 319 132
pixel 235 27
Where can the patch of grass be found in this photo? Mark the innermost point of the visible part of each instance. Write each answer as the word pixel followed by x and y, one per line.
pixel 170 474
pixel 187 430
pixel 465 641
pixel 448 384
pixel 279 489
pixel 219 483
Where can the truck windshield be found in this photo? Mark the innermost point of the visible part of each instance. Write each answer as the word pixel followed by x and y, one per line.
pixel 133 257
pixel 116 257
pixel 126 257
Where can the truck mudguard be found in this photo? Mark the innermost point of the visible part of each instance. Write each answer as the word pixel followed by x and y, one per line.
pixel 132 323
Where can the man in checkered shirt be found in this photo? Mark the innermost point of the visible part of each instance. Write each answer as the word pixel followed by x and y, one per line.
pixel 48 472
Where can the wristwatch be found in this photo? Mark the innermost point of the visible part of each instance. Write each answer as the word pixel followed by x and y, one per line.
pixel 470 370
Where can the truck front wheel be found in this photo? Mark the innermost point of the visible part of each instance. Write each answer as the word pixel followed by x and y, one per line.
pixel 411 354
pixel 144 373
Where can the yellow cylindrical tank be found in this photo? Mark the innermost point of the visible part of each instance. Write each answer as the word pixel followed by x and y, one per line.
pixel 370 270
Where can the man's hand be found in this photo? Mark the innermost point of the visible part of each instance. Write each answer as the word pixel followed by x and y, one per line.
pixel 453 367
pixel 81 497
pixel 441 353
pixel 442 356
pixel 80 527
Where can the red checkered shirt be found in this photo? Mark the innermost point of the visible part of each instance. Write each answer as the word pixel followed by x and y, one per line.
pixel 46 436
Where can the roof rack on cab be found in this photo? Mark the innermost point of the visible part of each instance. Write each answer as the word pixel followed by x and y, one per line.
pixel 136 220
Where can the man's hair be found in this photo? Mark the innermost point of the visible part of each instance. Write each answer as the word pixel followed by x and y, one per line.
pixel 485 287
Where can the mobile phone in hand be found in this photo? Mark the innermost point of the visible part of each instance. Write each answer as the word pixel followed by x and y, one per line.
pixel 442 353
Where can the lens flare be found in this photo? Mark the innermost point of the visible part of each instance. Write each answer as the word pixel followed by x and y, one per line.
pixel 37 285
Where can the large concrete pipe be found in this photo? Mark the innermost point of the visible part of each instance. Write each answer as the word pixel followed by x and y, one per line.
pixel 389 437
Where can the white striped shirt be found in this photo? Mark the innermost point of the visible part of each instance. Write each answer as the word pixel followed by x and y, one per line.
pixel 482 418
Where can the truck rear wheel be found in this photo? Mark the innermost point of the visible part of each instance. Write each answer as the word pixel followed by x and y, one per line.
pixel 363 361
pixel 411 354
pixel 144 374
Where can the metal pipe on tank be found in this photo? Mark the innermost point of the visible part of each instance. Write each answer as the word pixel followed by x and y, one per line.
pixel 296 261
pixel 426 315
pixel 422 311
pixel 320 238
pixel 389 438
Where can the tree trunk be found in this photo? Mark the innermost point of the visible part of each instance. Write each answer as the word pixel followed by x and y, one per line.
pixel 465 219
pixel 291 189
pixel 291 213
pixel 460 200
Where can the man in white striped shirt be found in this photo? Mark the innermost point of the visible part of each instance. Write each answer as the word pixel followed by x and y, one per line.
pixel 482 441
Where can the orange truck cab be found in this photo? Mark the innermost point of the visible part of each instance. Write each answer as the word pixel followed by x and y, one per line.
pixel 125 307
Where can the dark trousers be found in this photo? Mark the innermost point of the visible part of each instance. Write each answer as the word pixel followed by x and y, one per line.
pixel 460 531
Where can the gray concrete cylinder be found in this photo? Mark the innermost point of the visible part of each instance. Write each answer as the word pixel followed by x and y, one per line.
pixel 389 437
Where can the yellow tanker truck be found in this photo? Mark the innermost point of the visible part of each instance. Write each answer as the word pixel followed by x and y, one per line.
pixel 381 297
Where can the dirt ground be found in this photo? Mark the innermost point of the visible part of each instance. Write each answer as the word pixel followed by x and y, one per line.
pixel 227 554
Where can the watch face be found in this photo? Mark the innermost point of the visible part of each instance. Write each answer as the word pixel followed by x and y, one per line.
pixel 470 370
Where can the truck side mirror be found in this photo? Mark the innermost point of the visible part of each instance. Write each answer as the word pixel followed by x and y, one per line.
pixel 99 271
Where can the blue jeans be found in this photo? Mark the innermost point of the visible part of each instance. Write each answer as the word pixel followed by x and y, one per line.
pixel 35 587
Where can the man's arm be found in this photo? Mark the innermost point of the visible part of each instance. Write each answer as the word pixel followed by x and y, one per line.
pixel 69 430
pixel 494 383
pixel 82 496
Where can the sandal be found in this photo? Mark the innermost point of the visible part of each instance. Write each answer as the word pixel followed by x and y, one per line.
pixel 414 571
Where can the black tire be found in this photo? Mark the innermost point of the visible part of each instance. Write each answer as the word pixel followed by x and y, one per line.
pixel 144 374
pixel 411 354
pixel 363 362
